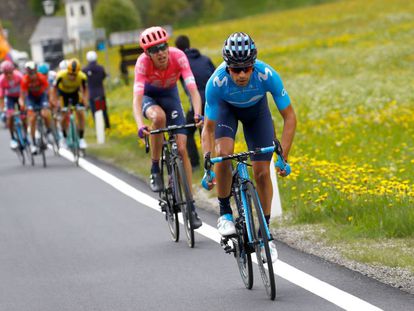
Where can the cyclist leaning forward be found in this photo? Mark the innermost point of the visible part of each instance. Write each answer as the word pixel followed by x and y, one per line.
pixel 156 98
pixel 237 92
pixel 34 91
pixel 69 82
pixel 10 82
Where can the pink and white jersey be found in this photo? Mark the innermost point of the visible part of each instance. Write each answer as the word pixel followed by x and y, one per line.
pixel 178 65
pixel 10 87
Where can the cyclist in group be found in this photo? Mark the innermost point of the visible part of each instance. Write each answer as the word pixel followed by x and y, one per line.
pixel 68 84
pixel 237 92
pixel 10 81
pixel 34 91
pixel 156 98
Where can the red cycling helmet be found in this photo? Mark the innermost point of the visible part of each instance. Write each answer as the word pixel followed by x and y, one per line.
pixel 7 66
pixel 152 36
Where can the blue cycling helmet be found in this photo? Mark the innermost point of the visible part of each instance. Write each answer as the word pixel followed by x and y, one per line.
pixel 239 50
pixel 43 68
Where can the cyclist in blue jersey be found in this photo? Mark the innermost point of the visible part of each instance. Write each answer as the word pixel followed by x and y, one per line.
pixel 237 92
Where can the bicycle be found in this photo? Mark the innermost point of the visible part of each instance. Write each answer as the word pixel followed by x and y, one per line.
pixel 54 127
pixel 250 221
pixel 72 139
pixel 40 135
pixel 20 134
pixel 175 195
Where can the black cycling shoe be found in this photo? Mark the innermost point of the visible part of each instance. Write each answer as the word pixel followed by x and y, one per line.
pixel 197 223
pixel 156 182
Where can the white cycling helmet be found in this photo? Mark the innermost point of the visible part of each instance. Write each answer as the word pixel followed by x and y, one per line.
pixel 63 64
pixel 91 56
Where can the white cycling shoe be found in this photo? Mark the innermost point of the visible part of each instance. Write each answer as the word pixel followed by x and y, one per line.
pixel 13 144
pixel 273 252
pixel 225 225
pixel 82 143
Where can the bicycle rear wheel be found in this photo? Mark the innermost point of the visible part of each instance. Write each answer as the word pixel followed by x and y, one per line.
pixel 243 258
pixel 171 214
pixel 42 145
pixel 265 264
pixel 186 202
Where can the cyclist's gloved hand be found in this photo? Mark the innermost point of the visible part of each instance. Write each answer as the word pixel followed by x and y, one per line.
pixel 283 166
pixel 209 178
pixel 198 119
pixel 142 130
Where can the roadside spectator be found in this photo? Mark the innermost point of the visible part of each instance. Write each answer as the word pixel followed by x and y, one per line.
pixel 202 68
pixel 96 75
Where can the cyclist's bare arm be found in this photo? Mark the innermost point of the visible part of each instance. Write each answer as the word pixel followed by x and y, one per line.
pixel 196 101
pixel 1 104
pixel 137 108
pixel 207 136
pixel 289 128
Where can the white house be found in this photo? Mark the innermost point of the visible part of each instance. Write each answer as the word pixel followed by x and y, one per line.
pixel 55 36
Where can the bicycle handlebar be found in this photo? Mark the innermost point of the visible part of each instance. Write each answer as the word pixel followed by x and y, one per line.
pixel 277 148
pixel 172 128
pixel 168 129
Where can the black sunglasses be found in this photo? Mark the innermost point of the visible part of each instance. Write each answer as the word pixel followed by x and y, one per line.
pixel 246 69
pixel 156 48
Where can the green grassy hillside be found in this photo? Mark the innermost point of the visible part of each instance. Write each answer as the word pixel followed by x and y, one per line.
pixel 348 68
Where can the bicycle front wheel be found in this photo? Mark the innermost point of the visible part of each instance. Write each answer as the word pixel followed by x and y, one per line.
pixel 264 262
pixel 74 140
pixel 185 201
pixel 167 200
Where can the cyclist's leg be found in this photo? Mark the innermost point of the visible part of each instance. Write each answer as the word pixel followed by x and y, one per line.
pixel 80 115
pixel 45 112
pixel 153 112
pixel 226 129
pixel 174 112
pixel 10 104
pixel 31 105
pixel 259 132
pixel 64 98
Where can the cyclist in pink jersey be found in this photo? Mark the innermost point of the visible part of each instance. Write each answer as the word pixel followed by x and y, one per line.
pixel 10 94
pixel 156 98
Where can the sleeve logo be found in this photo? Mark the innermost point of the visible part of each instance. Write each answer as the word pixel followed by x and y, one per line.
pixel 265 76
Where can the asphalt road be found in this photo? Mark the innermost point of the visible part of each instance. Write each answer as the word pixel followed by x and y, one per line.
pixel 70 241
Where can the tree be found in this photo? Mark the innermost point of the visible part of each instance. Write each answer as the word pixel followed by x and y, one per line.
pixel 163 12
pixel 117 15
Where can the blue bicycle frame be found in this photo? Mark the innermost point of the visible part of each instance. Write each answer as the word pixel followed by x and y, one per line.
pixel 245 178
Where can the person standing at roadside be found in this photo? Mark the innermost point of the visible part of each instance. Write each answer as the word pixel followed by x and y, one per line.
pixel 202 68
pixel 96 75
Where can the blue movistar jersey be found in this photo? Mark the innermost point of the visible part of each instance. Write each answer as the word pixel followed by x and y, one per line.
pixel 221 87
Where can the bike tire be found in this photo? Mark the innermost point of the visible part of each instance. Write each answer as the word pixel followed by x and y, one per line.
pixel 74 141
pixel 186 206
pixel 265 268
pixel 244 260
pixel 171 215
pixel 242 252
pixel 42 145
pixel 20 147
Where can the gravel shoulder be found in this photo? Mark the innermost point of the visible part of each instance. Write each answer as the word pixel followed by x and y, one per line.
pixel 309 239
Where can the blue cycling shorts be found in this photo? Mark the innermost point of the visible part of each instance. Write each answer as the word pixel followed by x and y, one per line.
pixel 257 125
pixel 11 102
pixel 169 101
pixel 37 102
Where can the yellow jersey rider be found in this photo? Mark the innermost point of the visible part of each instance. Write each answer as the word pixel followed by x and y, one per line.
pixel 68 84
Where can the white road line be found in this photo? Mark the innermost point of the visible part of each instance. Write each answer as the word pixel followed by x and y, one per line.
pixel 284 270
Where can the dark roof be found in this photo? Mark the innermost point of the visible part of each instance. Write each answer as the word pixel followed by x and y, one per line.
pixel 50 28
